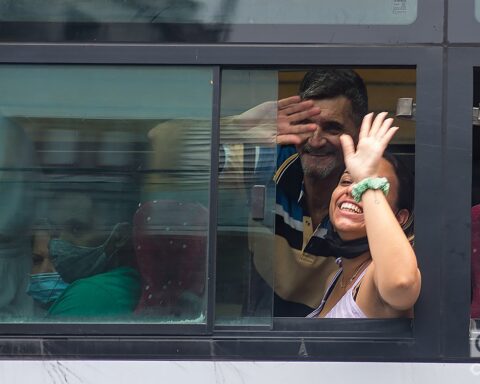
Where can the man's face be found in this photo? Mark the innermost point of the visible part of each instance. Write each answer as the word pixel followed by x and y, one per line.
pixel 321 154
pixel 76 220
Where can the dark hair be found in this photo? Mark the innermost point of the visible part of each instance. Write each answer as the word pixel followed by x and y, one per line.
pixel 406 190
pixel 328 83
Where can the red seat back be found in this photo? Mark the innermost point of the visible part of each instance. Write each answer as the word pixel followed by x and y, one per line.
pixel 170 240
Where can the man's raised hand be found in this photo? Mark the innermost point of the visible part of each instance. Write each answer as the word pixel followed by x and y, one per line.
pixel 291 114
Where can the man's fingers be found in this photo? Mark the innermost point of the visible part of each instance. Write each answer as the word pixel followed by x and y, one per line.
pixel 292 139
pixel 284 103
pixel 304 106
pixel 365 127
pixel 347 145
pixel 284 129
pixel 302 116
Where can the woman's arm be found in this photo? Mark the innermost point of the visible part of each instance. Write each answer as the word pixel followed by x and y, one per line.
pixel 395 273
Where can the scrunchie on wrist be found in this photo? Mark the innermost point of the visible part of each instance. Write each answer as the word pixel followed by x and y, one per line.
pixel 370 183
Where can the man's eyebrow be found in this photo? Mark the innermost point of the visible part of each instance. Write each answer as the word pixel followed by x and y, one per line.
pixel 335 123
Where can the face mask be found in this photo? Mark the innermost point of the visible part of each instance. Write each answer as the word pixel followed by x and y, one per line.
pixel 333 245
pixel 75 262
pixel 46 287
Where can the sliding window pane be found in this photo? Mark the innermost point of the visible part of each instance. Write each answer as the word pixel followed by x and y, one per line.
pixel 274 259
pixel 106 173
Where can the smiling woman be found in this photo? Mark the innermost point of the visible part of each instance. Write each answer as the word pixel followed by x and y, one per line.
pixel 372 202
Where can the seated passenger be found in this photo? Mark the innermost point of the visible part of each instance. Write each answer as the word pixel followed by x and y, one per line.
pixel 45 285
pixel 370 212
pixel 97 262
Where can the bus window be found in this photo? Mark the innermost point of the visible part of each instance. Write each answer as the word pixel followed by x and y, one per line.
pixel 268 261
pixel 106 174
pixel 215 11
pixel 475 213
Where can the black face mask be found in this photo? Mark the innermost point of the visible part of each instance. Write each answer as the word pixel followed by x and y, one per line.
pixel 333 245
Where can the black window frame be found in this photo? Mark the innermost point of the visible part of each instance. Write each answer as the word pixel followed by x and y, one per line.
pixel 427 28
pixel 458 171
pixel 291 339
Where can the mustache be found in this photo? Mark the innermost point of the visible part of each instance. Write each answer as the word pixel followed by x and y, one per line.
pixel 325 150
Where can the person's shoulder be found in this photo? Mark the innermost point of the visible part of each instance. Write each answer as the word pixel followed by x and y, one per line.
pixel 100 293
pixel 116 280
pixel 285 152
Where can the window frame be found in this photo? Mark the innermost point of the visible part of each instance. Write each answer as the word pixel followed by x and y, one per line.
pixel 458 171
pixel 427 28
pixel 463 27
pixel 299 340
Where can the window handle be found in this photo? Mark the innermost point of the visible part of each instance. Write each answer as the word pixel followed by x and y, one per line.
pixel 476 116
pixel 257 206
pixel 406 109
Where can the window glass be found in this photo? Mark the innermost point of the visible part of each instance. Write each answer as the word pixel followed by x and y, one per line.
pixel 105 173
pixel 247 164
pixel 213 11
pixel 271 257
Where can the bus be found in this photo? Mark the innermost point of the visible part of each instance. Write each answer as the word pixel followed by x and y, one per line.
pixel 125 126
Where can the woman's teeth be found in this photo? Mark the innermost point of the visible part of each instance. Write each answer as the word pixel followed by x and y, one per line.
pixel 345 206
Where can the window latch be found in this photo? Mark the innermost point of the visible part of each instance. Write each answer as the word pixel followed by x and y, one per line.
pixel 476 116
pixel 406 109
pixel 257 205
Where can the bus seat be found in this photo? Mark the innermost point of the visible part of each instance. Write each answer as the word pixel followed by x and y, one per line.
pixel 170 239
pixel 475 262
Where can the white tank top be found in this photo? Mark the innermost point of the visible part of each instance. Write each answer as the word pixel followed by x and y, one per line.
pixel 346 307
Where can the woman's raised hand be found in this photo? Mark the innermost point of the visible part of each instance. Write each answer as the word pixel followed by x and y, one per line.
pixel 374 137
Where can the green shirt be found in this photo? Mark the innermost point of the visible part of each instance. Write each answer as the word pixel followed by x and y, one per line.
pixel 113 293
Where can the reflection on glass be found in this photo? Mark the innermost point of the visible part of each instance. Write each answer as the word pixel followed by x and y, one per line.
pixel 279 270
pixel 247 159
pixel 17 206
pixel 214 11
pixel 114 231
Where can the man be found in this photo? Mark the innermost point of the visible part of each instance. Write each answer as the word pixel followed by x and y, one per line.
pixel 91 249
pixel 331 102
pixel 307 129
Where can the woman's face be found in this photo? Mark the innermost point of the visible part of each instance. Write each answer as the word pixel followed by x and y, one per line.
pixel 346 215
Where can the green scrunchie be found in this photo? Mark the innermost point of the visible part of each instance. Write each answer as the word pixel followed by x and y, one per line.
pixel 370 183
